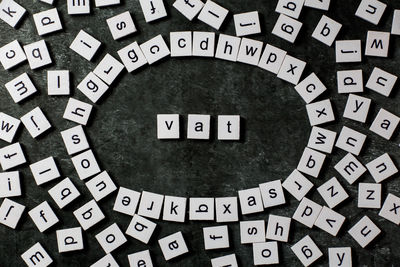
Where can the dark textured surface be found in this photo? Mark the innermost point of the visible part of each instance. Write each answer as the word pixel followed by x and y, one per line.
pixel 122 131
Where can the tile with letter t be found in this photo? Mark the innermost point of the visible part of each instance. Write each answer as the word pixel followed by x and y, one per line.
pixel 291 8
pixel 252 231
pixel 85 45
pixel 226 209
pixel 322 139
pixel 101 186
pixel 306 250
pixel 132 57
pixel 311 162
pixel 168 126
pixel 351 140
pixel 43 216
pixel 326 30
pixel 229 127
pixel 141 258
pixel 11 13
pixel 121 25
pixel 350 81
pixel 198 126
pixel 36 256
pixel 391 209
pixel 265 253
pixel 272 193
pixel 108 260
pixel 291 69
pixel 332 192
pixel 8 127
pixel 75 139
pixel 250 201
pixel 20 87
pixel 127 201
pixel 278 228
pixel 155 49
pixel 369 195
pixel 364 231
pixel 37 54
pixel 36 122
pixel 287 28
pixel 213 14
pixel 307 212
pixel 89 214
pixel 64 193
pixel 11 156
pixel 69 239
pixel 173 246
pixel 385 123
pixel 272 58
pixel 377 44
pixel 153 10
pixel 181 44
pixel 247 23
pixel 11 55
pixel 381 168
pixel 320 112
pixel 174 209
pixel 140 228
pixel 357 108
pixel 350 168
pixel 340 256
pixel 228 260
pixel 310 88
pixel 44 170
pixel 47 21
pixel 201 209
pixel 10 213
pixel 111 238
pixel 216 237
pixel 78 7
pixel 297 185
pixel 58 82
pixel 188 8
pixel 348 51
pixel 151 205
pixel 381 81
pixel 330 221
pixel 10 185
pixel 371 10
pixel 85 164
pixel 77 111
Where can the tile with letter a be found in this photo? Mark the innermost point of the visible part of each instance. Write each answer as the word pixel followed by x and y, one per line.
pixel 384 124
pixel 173 246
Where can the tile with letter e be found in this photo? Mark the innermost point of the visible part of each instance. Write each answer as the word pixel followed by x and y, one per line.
pixel 127 201
pixel 140 258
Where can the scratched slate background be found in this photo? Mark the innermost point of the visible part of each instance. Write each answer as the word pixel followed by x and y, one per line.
pixel 122 131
